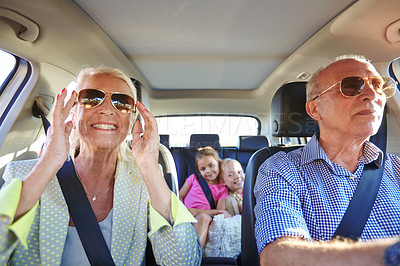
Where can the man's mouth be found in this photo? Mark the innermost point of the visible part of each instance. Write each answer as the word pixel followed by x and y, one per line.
pixel 366 112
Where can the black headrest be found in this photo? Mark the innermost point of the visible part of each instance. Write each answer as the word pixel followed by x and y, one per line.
pixel 252 143
pixel 164 139
pixel 203 140
pixel 288 112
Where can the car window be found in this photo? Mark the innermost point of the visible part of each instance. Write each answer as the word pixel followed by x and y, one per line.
pixel 228 127
pixel 394 70
pixel 7 64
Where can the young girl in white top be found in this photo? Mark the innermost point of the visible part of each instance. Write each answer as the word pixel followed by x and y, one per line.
pixel 224 236
pixel 233 178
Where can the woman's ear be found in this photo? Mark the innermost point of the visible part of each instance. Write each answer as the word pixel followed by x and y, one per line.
pixel 312 110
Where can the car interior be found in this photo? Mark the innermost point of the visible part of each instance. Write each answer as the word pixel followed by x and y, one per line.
pixel 226 74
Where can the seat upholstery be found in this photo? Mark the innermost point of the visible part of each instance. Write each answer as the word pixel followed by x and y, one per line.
pixel 288 112
pixel 167 163
pixel 248 145
pixel 180 154
pixel 203 140
pixel 164 140
pixel 289 119
pixel 249 254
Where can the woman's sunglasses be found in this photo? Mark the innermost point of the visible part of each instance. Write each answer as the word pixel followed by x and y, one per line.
pixel 353 86
pixel 91 98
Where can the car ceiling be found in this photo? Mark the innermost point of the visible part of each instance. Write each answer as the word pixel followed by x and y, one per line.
pixel 221 56
pixel 208 44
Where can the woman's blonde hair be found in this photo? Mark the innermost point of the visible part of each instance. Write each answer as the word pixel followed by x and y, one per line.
pixel 124 153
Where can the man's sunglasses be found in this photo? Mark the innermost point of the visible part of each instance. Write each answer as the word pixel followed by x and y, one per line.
pixel 91 98
pixel 353 86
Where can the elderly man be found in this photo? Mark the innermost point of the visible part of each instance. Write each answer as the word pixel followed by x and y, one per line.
pixel 303 195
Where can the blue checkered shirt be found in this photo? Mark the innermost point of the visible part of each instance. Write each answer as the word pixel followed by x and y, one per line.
pixel 303 194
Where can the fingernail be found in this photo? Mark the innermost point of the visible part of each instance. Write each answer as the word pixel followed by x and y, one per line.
pixel 58 95
pixel 63 90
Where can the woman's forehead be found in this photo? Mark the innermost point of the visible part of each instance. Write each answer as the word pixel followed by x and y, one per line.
pixel 105 82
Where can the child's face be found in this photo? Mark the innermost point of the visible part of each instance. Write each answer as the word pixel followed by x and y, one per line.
pixel 208 168
pixel 233 177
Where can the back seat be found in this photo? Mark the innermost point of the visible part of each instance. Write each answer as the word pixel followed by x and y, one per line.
pixel 247 146
pixel 164 140
pixel 196 141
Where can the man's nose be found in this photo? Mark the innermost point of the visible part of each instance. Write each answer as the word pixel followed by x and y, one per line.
pixel 369 92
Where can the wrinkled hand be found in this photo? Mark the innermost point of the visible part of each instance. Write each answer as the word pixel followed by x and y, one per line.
pixel 145 153
pixel 56 147
pixel 145 148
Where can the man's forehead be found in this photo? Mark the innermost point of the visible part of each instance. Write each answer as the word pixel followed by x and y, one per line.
pixel 348 67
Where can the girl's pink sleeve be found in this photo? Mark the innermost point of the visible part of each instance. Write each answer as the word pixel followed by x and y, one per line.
pixel 223 192
pixel 190 179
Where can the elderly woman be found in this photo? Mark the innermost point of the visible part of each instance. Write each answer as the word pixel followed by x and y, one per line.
pixel 125 187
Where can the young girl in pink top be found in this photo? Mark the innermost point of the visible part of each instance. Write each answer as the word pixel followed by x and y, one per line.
pixel 192 195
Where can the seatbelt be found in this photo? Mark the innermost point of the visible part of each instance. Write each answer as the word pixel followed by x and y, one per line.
pixel 203 183
pixel 360 206
pixel 80 210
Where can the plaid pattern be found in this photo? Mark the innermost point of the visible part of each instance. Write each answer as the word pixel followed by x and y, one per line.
pixel 304 194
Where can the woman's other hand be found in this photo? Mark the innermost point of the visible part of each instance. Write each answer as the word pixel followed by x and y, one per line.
pixel 145 152
pixel 145 148
pixel 56 147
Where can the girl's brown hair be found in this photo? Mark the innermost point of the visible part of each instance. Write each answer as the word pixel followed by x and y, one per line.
pixel 207 151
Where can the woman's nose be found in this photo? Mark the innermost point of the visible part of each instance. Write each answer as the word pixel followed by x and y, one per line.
pixel 106 107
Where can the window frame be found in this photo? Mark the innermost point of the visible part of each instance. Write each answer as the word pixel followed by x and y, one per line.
pixel 12 99
pixel 216 115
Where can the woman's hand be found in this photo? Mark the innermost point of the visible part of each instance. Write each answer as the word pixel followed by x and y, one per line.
pixel 145 152
pixel 145 148
pixel 55 152
pixel 56 147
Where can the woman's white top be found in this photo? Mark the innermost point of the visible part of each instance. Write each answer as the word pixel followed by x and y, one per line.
pixel 74 254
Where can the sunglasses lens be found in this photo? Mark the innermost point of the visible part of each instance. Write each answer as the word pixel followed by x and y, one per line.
pixel 389 86
pixel 123 102
pixel 90 98
pixel 352 86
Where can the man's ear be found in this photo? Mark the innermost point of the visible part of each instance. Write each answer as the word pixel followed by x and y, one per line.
pixel 312 110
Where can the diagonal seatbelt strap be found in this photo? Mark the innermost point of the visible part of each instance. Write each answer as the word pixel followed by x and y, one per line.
pixel 81 212
pixel 203 183
pixel 360 206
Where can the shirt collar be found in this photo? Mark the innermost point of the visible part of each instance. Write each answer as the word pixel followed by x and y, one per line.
pixel 371 153
pixel 313 151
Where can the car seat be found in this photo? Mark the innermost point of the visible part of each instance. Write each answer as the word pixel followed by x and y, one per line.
pixel 288 119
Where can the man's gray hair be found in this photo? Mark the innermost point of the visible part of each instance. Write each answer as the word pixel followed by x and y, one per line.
pixel 314 83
